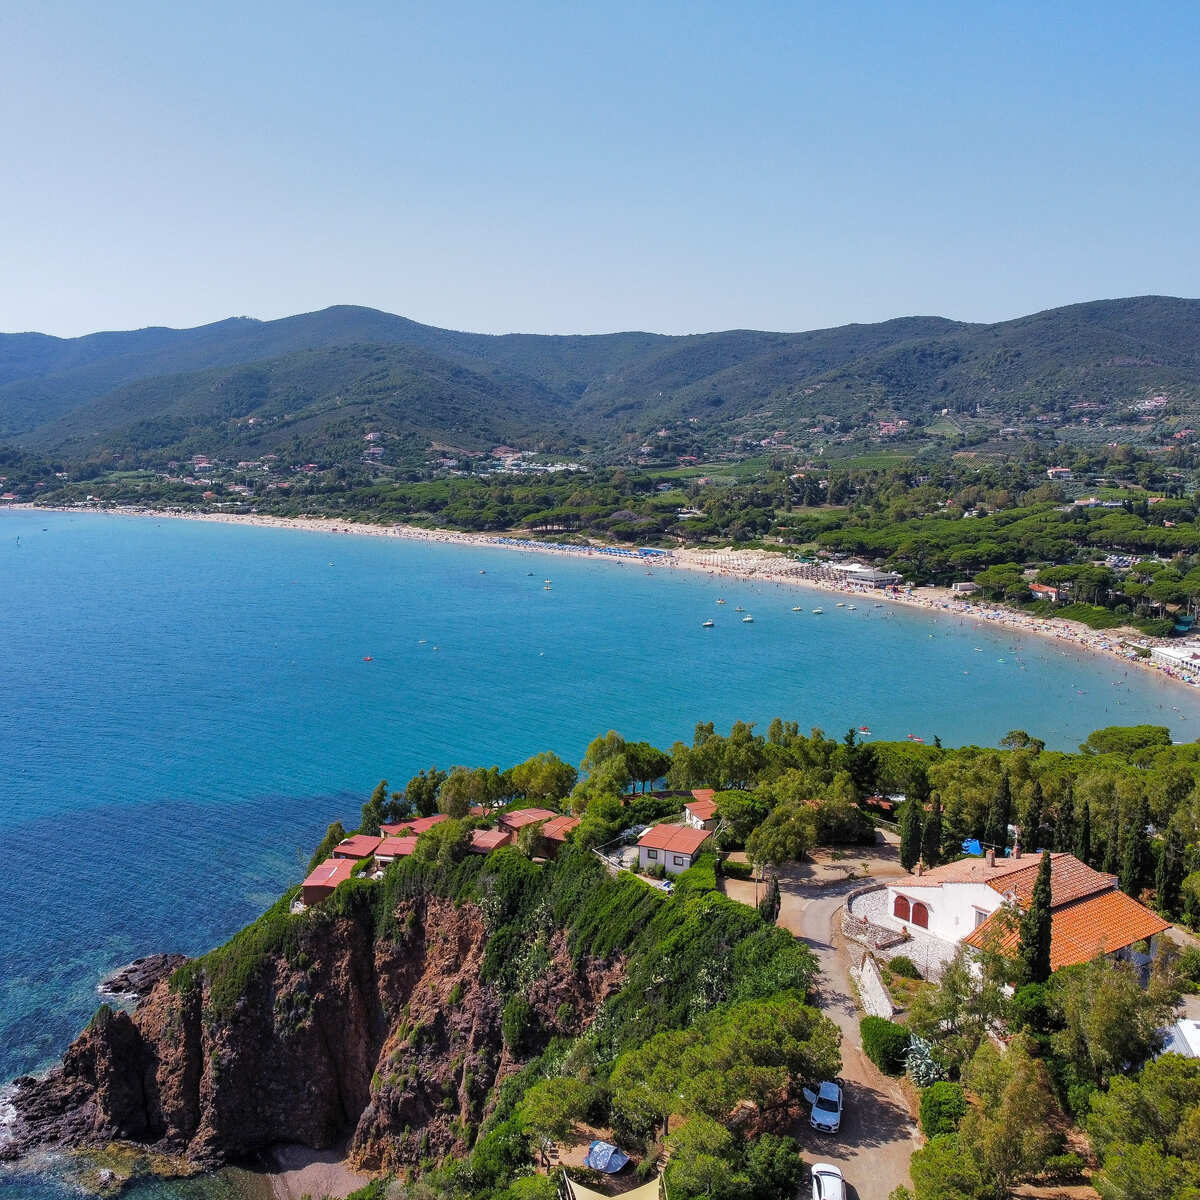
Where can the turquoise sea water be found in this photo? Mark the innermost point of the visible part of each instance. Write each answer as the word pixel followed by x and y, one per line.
pixel 185 706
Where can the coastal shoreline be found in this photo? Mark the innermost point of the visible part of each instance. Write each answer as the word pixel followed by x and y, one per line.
pixel 740 566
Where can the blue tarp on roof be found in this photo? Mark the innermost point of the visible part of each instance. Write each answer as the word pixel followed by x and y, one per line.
pixel 604 1156
pixel 972 846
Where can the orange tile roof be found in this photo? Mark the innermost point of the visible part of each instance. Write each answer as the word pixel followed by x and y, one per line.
pixel 1081 930
pixel 396 847
pixel 1070 879
pixel 704 793
pixel 361 845
pixel 702 810
pixel 558 829
pixel 679 839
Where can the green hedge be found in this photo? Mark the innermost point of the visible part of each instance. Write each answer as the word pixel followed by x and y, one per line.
pixel 737 870
pixel 943 1105
pixel 885 1043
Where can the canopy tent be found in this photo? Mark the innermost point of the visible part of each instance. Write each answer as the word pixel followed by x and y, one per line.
pixel 647 1191
pixel 604 1156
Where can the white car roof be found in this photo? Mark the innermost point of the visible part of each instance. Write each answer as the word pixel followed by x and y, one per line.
pixel 830 1091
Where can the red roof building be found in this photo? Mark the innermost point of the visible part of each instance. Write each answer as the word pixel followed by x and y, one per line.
pixel 413 825
pixel 520 817
pixel 358 847
pixel 392 848
pixel 701 811
pixel 484 841
pixel 673 847
pixel 323 879
pixel 558 829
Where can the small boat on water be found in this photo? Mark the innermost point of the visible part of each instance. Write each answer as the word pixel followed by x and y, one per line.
pixel 818 611
pixel 720 601
pixel 482 572
pixel 739 609
pixel 747 619
pixel 546 587
pixel 367 658
pixel 706 624
pixel 851 607
pixel 797 608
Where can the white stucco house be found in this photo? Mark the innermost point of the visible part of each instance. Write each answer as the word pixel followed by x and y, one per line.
pixel 960 903
pixel 675 847
pixel 701 811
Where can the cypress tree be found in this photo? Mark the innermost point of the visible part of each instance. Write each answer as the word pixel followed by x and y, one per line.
pixel 1112 844
pixel 910 833
pixel 1035 927
pixel 1031 834
pixel 1135 861
pixel 931 835
pixel 1064 820
pixel 1083 838
pixel 995 832
pixel 1168 879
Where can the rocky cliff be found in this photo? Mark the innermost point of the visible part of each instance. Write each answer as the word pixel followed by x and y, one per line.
pixel 394 1041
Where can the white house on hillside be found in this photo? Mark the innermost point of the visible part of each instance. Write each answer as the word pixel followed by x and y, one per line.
pixel 959 902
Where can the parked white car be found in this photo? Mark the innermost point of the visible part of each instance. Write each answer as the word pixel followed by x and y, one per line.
pixel 827 1182
pixel 826 1101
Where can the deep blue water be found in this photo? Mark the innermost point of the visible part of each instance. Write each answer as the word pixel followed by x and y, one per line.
pixel 184 707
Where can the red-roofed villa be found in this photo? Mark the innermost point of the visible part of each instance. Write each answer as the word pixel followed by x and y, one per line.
pixel 323 879
pixel 674 846
pixel 413 825
pixel 358 847
pixel 520 817
pixel 701 811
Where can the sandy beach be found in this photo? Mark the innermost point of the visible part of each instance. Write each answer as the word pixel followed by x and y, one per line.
pixel 747 566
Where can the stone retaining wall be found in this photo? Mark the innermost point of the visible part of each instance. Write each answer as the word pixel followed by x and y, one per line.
pixel 874 936
pixel 872 991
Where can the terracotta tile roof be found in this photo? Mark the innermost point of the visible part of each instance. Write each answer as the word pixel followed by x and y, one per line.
pixel 330 873
pixel 679 839
pixel 703 794
pixel 396 847
pixel 361 845
pixel 1081 930
pixel 702 809
pixel 484 841
pixel 413 825
pixel 520 817
pixel 558 829
pixel 1069 878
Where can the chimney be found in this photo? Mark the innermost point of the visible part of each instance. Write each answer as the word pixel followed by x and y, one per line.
pixel 920 869
pixel 991 857
pixel 1016 851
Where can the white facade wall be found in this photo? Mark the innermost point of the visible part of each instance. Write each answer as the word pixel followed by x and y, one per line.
pixel 673 861
pixel 952 906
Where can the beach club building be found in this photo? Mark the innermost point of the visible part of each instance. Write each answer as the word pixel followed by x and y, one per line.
pixel 675 847
pixel 701 811
pixel 960 902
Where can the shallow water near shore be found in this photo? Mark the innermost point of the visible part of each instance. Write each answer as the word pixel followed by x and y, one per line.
pixel 187 705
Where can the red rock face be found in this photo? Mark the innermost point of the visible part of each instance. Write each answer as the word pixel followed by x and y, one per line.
pixel 397 1042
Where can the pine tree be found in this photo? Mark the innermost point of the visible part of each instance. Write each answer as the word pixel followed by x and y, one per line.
pixel 1064 820
pixel 931 835
pixel 1035 927
pixel 1135 861
pixel 910 833
pixel 1168 879
pixel 1031 833
pixel 1083 839
pixel 995 832
pixel 375 809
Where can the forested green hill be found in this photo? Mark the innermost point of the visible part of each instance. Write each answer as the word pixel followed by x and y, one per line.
pixel 162 389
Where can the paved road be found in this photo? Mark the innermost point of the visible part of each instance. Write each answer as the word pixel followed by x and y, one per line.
pixel 877 1137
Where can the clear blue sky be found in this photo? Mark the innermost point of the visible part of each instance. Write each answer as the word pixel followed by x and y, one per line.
pixel 578 168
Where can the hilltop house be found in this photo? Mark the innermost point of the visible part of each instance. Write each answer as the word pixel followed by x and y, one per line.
pixel 323 879
pixel 675 847
pixel 392 848
pixel 516 820
pixel 412 826
pixel 701 811
pixel 484 841
pixel 960 902
pixel 358 847
pixel 555 833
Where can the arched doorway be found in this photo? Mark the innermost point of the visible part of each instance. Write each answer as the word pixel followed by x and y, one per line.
pixel 920 915
pixel 900 908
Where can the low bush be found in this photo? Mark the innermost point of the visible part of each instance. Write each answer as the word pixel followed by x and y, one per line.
pixel 885 1043
pixel 942 1107
pixel 1063 1168
pixel 905 967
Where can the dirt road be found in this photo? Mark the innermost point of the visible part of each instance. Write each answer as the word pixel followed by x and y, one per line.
pixel 877 1137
